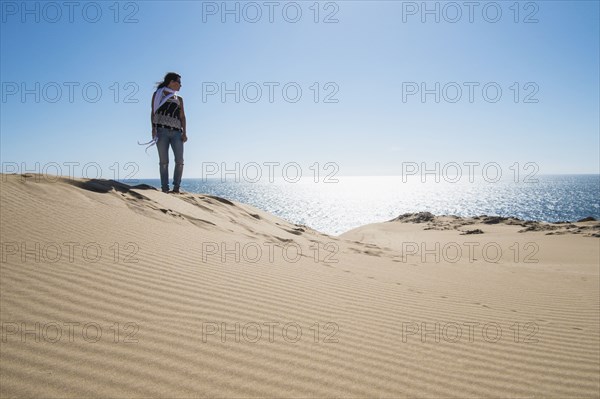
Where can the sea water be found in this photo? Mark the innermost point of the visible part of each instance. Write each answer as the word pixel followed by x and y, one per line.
pixel 353 201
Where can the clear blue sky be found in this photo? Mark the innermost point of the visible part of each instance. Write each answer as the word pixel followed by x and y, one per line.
pixel 368 55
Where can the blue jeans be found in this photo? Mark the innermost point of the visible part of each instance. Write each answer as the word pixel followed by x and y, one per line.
pixel 172 137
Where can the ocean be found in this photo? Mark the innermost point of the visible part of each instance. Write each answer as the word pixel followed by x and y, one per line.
pixel 336 207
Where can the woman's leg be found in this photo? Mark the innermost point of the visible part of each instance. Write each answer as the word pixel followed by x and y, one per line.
pixel 163 158
pixel 177 145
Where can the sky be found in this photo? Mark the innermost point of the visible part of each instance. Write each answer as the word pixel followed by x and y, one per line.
pixel 367 86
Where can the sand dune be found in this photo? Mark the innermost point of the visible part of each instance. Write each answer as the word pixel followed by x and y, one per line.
pixel 108 290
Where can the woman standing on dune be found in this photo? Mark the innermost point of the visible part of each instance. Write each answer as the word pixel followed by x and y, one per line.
pixel 168 128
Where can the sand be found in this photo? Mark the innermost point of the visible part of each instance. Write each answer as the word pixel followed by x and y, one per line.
pixel 114 291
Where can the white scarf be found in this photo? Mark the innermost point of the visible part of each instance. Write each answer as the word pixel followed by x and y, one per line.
pixel 161 97
pixel 150 143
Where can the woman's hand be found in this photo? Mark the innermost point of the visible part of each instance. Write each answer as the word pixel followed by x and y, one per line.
pixel 154 133
pixel 184 137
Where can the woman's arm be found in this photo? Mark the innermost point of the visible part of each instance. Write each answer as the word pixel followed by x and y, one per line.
pixel 182 118
pixel 152 116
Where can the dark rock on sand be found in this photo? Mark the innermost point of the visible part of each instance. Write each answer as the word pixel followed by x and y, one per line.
pixel 475 231
pixel 587 219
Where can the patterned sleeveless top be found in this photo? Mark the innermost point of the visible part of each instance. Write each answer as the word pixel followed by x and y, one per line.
pixel 167 116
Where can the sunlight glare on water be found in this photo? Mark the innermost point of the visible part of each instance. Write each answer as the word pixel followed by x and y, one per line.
pixel 353 201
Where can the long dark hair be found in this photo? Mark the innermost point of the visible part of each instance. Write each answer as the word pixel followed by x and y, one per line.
pixel 169 77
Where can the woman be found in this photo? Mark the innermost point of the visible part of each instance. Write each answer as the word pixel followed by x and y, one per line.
pixel 168 127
